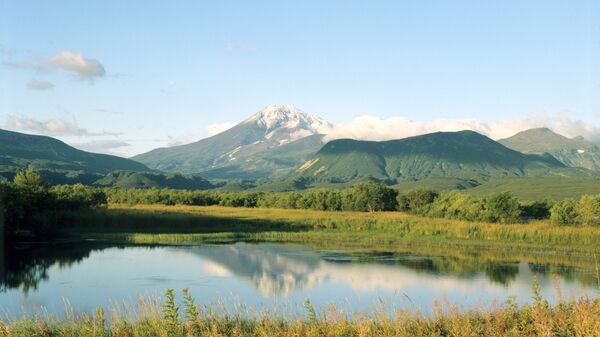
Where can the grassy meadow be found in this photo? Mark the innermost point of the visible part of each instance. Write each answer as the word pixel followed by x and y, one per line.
pixel 536 241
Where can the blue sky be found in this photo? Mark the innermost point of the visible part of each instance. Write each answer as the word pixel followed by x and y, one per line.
pixel 128 76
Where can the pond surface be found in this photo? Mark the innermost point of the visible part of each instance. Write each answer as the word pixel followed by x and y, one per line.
pixel 40 279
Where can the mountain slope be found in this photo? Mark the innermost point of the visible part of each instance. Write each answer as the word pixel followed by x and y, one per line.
pixel 573 152
pixel 18 150
pixel 130 179
pixel 273 141
pixel 464 154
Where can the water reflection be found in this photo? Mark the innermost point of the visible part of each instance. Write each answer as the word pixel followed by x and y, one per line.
pixel 90 274
pixel 25 266
pixel 279 270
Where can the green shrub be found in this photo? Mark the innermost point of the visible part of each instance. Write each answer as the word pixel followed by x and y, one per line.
pixel 456 205
pixel 564 212
pixel 416 201
pixel 537 209
pixel 501 207
pixel 588 209
pixel 369 197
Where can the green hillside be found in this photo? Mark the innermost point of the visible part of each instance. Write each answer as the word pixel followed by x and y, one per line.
pixel 57 161
pixel 129 179
pixel 464 155
pixel 540 188
pixel 438 184
pixel 573 152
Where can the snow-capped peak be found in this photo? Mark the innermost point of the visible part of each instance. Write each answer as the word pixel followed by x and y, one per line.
pixel 286 116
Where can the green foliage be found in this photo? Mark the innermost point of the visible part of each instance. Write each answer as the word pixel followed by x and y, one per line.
pixel 564 212
pixel 311 314
pixel 456 205
pixel 170 313
pixel 78 196
pixel 502 208
pixel 371 197
pixel 416 201
pixel 536 209
pixel 28 180
pixel 33 208
pixel 588 209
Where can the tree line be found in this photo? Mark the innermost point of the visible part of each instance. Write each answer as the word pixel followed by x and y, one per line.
pixel 33 207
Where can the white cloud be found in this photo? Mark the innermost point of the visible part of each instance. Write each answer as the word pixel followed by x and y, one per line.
pixel 210 130
pixel 375 128
pixel 216 128
pixel 39 85
pixel 176 141
pixel 83 68
pixel 51 127
pixel 101 145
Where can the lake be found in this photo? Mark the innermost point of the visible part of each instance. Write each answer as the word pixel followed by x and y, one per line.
pixel 82 276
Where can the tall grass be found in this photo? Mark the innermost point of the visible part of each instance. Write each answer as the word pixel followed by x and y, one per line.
pixel 569 317
pixel 380 228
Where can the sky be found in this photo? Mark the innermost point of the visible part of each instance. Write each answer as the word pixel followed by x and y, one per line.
pixel 124 77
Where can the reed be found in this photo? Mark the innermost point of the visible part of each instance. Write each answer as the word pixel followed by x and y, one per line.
pixel 165 317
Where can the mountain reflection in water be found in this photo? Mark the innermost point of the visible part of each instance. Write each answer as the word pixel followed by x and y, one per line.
pixel 90 274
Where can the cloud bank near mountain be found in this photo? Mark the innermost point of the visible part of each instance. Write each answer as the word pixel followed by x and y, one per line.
pixel 378 129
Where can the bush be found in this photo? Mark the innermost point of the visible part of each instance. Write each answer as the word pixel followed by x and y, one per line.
pixel 33 208
pixel 416 201
pixel 588 209
pixel 564 212
pixel 78 196
pixel 369 197
pixel 537 209
pixel 456 205
pixel 501 207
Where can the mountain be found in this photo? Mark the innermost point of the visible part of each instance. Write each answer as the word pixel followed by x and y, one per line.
pixel 573 152
pixel 269 143
pixel 130 179
pixel 464 154
pixel 57 160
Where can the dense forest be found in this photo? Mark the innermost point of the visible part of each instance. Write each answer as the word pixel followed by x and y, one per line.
pixel 32 207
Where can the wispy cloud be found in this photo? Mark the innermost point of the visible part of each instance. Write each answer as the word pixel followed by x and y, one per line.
pixel 101 145
pixel 375 128
pixel 216 128
pixel 51 127
pixel 210 130
pixel 83 68
pixel 39 85
pixel 181 140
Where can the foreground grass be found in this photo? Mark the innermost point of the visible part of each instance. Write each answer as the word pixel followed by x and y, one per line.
pixel 151 318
